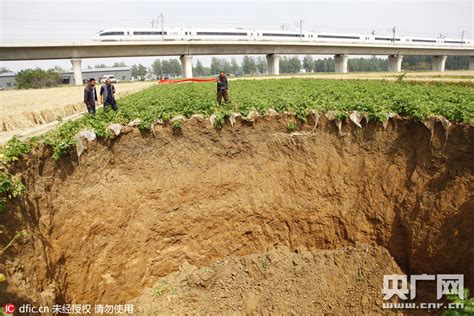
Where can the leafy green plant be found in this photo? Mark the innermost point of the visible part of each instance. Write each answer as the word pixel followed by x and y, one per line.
pixel 177 125
pixel 291 126
pixel 467 304
pixel 9 189
pixel 14 149
pixel 18 235
pixel 165 117
pixel 219 121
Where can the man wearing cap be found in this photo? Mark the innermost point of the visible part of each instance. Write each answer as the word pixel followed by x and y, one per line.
pixel 90 96
pixel 107 95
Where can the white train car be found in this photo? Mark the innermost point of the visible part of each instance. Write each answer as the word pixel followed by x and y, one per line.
pixel 198 34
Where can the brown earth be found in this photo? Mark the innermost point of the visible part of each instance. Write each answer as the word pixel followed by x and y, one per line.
pixel 116 227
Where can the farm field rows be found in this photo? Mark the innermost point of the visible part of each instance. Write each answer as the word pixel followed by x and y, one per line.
pixel 374 98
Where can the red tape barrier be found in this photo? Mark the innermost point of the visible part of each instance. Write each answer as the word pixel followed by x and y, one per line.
pixel 168 81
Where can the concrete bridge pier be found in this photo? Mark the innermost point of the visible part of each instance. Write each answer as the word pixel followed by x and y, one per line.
pixel 438 63
pixel 273 61
pixel 471 63
pixel 187 65
pixel 341 62
pixel 395 63
pixel 76 66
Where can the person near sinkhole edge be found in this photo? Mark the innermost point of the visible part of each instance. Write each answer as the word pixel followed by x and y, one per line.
pixel 222 88
pixel 90 96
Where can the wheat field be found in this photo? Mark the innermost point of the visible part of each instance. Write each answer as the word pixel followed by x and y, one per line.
pixel 20 109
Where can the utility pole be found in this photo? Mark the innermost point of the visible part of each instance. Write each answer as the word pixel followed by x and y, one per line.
pixel 394 29
pixel 162 27
pixel 373 32
pixel 153 23
pixel 301 29
pixel 462 37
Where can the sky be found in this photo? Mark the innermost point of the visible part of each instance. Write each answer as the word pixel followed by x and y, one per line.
pixel 70 20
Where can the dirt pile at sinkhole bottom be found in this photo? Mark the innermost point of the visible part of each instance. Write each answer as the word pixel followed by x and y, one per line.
pixel 144 205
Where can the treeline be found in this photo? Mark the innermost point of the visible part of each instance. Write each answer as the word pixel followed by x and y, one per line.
pixel 37 78
pixel 250 65
pixel 424 63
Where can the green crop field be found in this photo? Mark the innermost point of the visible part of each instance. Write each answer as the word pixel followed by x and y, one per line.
pixel 455 102
pixel 375 98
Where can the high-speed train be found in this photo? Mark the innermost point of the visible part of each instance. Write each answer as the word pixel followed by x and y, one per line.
pixel 191 34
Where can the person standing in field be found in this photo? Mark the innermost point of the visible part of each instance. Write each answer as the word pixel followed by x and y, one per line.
pixel 222 88
pixel 90 96
pixel 107 95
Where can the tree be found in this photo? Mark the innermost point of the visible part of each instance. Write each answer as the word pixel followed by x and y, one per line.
pixel 262 66
pixel 249 65
pixel 457 63
pixel 119 64
pixel 324 65
pixel 308 63
pixel 100 66
pixel 367 64
pixel 37 78
pixel 171 67
pixel 220 64
pixel 4 70
pixel 226 66
pixel 290 64
pixel 416 62
pixel 215 65
pixel 235 68
pixel 198 69
pixel 157 68
pixel 59 69
pixel 139 71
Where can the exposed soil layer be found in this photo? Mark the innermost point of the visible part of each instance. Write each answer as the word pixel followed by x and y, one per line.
pixel 144 205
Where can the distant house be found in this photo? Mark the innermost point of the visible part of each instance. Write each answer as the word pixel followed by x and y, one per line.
pixel 120 73
pixel 7 80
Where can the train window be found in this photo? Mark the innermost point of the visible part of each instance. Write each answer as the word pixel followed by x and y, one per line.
pixel 147 33
pixel 454 42
pixel 281 35
pixel 423 41
pixel 221 33
pixel 387 39
pixel 112 33
pixel 339 36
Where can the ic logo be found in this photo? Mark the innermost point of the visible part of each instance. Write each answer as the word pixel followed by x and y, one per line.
pixel 9 308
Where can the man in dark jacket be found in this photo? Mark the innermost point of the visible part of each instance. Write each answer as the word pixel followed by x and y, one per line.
pixel 90 96
pixel 107 95
pixel 222 88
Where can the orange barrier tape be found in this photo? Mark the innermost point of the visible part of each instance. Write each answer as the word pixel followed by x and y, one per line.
pixel 168 81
